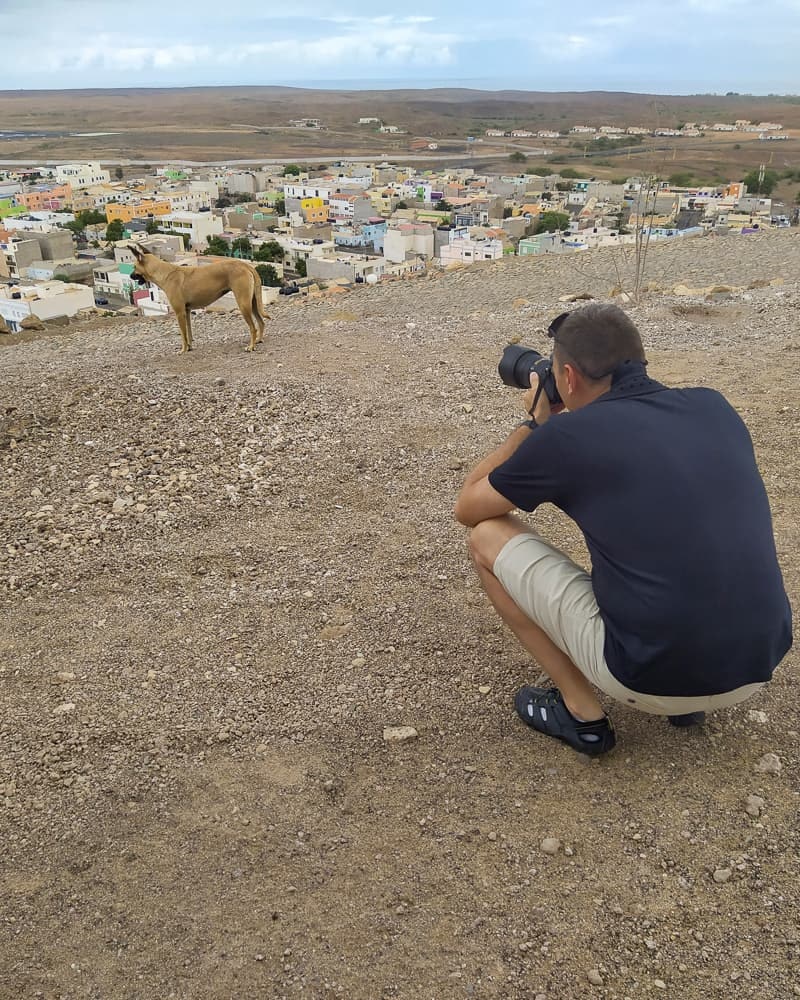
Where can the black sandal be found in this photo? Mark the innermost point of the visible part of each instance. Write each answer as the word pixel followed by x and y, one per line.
pixel 543 709
pixel 690 719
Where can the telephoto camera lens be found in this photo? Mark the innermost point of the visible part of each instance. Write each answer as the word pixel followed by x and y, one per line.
pixel 516 366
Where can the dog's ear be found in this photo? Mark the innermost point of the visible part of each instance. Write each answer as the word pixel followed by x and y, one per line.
pixel 137 253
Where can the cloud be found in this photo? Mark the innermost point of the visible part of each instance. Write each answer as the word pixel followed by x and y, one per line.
pixel 382 44
pixel 614 21
pixel 560 47
pixel 529 41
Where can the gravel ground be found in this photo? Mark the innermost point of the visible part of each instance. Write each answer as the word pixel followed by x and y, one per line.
pixel 222 576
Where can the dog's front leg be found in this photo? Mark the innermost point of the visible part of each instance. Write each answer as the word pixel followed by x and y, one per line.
pixel 189 328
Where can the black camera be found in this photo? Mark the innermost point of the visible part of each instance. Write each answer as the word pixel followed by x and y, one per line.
pixel 519 362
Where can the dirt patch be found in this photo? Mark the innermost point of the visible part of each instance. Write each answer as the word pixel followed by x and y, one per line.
pixel 222 575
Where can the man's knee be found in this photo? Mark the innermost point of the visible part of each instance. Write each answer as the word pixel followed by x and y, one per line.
pixel 487 538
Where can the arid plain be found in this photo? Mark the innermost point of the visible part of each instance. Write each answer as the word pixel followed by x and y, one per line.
pixel 252 124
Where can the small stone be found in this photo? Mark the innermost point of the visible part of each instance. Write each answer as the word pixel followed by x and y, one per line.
pixel 550 845
pixel 492 835
pixel 753 805
pixel 659 984
pixel 64 676
pixel 594 977
pixel 399 734
pixel 756 716
pixel 770 764
pixel 358 661
pixel 484 689
pixel 64 708
pixel 722 875
pixel 219 381
pixel 223 736
pixel 455 464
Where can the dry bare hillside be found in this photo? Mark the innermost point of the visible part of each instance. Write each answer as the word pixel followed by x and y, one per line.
pixel 220 124
pixel 223 575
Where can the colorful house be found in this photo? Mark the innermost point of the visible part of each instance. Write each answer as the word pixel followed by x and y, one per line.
pixel 125 213
pixel 313 210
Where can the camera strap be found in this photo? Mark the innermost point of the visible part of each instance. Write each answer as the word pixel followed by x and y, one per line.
pixel 536 396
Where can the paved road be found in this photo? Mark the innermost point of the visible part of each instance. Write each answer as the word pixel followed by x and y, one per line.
pixel 256 160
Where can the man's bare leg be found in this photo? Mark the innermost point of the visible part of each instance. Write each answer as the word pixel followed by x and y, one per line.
pixel 486 541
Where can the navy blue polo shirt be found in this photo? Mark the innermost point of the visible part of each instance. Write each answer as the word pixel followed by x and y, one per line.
pixel 663 483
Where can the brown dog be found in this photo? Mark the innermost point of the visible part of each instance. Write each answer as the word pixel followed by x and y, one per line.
pixel 190 288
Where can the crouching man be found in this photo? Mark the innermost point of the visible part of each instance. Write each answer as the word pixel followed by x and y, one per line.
pixel 685 609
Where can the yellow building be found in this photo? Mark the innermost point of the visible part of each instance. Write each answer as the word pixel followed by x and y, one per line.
pixel 314 210
pixel 127 212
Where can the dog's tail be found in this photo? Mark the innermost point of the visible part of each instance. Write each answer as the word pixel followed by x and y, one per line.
pixel 258 300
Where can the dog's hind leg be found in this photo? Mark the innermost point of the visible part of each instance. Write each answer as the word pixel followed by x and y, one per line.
pixel 244 300
pixel 257 315
pixel 182 315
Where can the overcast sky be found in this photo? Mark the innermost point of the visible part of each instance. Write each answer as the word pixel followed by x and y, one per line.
pixel 685 46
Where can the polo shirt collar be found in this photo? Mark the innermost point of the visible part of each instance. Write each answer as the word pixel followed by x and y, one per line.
pixel 631 379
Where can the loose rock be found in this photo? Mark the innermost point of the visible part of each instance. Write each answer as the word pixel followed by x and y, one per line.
pixel 770 764
pixel 399 734
pixel 754 805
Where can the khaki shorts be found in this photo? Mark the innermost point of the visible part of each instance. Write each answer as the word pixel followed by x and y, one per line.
pixel 557 595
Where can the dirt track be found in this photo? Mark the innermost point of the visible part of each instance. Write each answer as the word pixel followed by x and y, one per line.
pixel 237 570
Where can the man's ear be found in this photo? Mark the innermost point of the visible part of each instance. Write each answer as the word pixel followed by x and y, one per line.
pixel 571 376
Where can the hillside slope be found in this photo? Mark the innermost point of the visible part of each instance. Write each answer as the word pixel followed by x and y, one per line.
pixel 222 575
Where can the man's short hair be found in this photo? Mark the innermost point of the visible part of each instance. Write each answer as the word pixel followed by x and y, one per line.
pixel 596 339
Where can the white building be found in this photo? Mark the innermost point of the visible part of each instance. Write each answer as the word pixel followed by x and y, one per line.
pixel 81 175
pixel 417 188
pixel 109 280
pixel 312 188
pixel 37 222
pixel 197 225
pixel 466 250
pixel 186 199
pixel 408 239
pixel 47 300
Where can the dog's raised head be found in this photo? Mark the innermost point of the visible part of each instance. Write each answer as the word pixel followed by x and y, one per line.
pixel 140 273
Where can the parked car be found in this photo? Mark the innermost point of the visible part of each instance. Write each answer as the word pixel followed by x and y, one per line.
pixel 100 301
pixel 288 290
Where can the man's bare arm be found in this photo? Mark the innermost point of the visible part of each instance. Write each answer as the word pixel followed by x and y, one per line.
pixel 478 499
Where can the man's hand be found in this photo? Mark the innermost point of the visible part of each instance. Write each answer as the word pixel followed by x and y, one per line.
pixel 544 408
